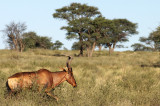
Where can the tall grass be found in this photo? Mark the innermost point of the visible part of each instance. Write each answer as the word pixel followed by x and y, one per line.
pixel 116 80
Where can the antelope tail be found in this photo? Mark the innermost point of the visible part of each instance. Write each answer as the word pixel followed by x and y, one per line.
pixel 7 86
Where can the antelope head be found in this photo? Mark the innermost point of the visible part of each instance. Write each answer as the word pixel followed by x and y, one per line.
pixel 69 73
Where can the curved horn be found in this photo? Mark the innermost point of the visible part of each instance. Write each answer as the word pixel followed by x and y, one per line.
pixel 69 61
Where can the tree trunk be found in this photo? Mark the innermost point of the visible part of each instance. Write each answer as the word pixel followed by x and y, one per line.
pixel 21 46
pixel 111 49
pixel 100 47
pixel 90 49
pixel 15 44
pixel 93 47
pixel 81 50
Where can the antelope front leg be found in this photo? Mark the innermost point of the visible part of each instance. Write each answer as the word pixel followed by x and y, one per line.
pixel 50 94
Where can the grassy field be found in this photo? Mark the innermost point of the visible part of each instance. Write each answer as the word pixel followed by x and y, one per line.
pixel 103 80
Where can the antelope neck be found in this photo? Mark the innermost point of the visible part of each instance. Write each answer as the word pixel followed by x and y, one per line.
pixel 58 77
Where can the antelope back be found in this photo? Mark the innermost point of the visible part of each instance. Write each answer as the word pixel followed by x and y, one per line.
pixel 21 80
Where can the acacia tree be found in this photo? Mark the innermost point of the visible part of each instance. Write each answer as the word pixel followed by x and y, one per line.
pixel 57 45
pixel 141 47
pixel 152 41
pixel 119 31
pixel 32 40
pixel 14 32
pixel 155 38
pixel 76 13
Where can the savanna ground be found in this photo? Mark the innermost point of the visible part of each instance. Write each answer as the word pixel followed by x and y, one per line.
pixel 103 80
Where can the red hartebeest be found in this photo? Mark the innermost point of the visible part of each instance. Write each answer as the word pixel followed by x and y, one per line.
pixel 43 78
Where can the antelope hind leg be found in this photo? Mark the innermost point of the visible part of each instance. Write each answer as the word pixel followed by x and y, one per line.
pixel 8 94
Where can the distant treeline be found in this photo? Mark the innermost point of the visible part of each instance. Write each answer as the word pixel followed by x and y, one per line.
pixel 19 40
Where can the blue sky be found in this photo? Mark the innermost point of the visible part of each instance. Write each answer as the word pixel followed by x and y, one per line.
pixel 37 15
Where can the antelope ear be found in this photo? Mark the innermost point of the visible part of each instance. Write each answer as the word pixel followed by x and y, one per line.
pixel 61 69
pixel 65 69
